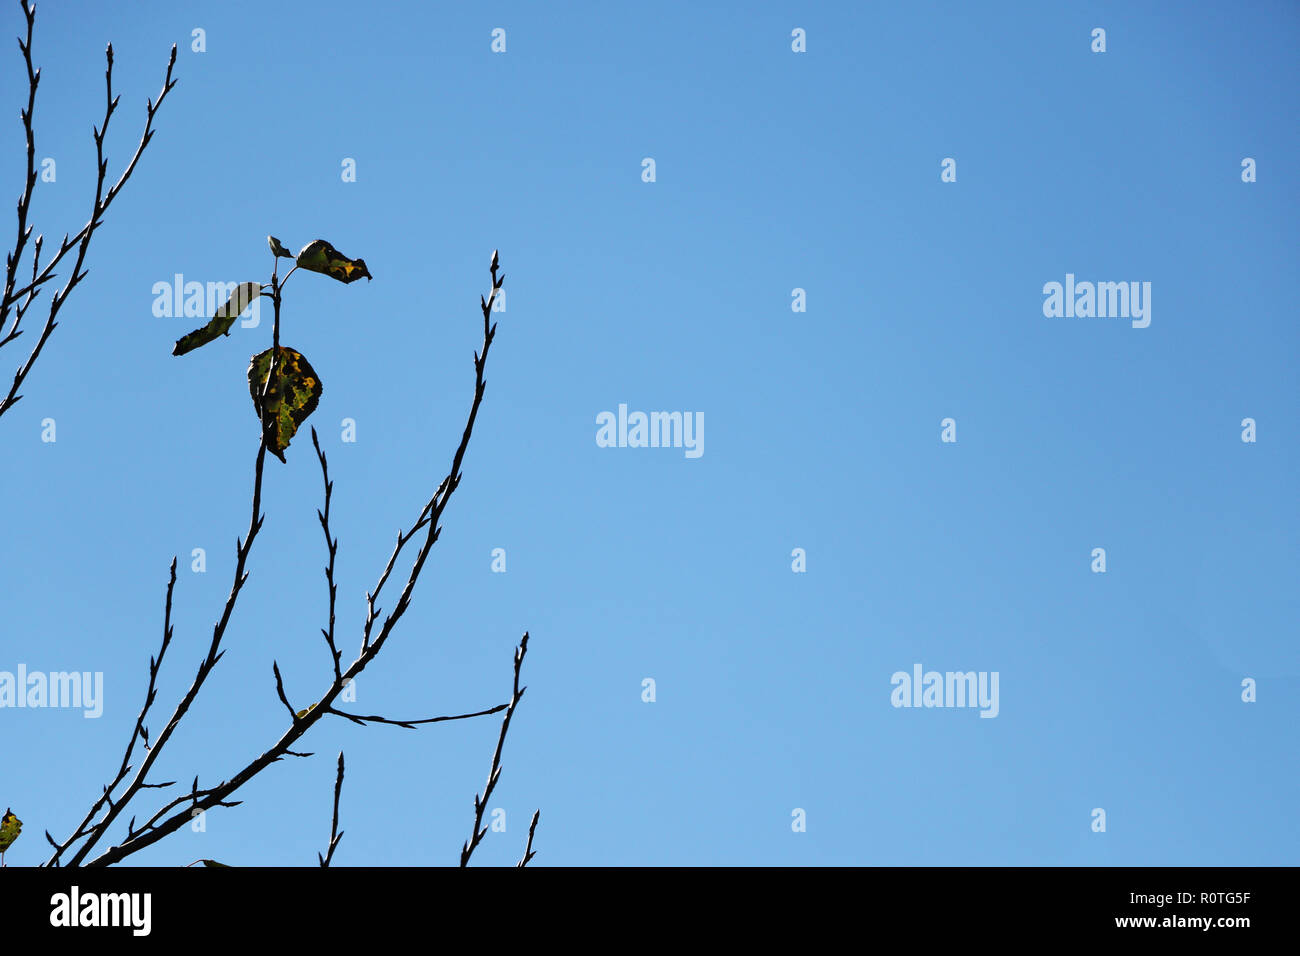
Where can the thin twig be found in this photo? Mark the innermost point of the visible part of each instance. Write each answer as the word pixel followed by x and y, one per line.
pixel 181 808
pixel 141 732
pixel 335 833
pixel 529 852
pixel 81 241
pixel 332 544
pixel 242 550
pixel 29 184
pixel 411 724
pixel 431 513
pixel 480 803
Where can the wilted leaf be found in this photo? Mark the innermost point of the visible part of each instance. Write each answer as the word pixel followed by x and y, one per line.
pixel 305 711
pixel 215 863
pixel 320 256
pixel 278 250
pixel 220 325
pixel 293 394
pixel 10 827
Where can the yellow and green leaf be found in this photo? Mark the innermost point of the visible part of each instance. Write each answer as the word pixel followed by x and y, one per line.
pixel 294 392
pixel 320 256
pixel 225 317
pixel 10 827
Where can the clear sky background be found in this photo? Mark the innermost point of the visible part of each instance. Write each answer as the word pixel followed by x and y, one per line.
pixel 775 171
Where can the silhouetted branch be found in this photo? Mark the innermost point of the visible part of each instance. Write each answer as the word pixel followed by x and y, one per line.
pixel 29 184
pixel 177 812
pixel 332 544
pixel 141 732
pixel 410 724
pixel 432 510
pixel 529 852
pixel 335 833
pixel 279 689
pixel 480 803
pixel 20 299
pixel 96 832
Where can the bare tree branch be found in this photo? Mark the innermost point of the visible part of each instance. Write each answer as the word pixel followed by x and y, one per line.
pixel 29 184
pixel 432 511
pixel 279 689
pixel 81 241
pixel 141 732
pixel 359 719
pixel 335 833
pixel 529 852
pixel 242 549
pixel 332 544
pixel 177 812
pixel 480 803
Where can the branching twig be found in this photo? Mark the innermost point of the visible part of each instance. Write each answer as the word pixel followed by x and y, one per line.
pixel 480 803
pixel 410 724
pixel 335 833
pixel 529 852
pixel 20 299
pixel 242 549
pixel 141 732
pixel 177 812
pixel 332 544
pixel 29 184
pixel 433 508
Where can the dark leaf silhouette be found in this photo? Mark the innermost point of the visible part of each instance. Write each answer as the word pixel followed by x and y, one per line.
pixel 320 256
pixel 293 394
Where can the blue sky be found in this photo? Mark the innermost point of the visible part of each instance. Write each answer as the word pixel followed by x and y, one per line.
pixel 774 171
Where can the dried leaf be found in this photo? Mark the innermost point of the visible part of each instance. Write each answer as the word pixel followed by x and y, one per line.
pixel 320 256
pixel 294 392
pixel 225 317
pixel 10 827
